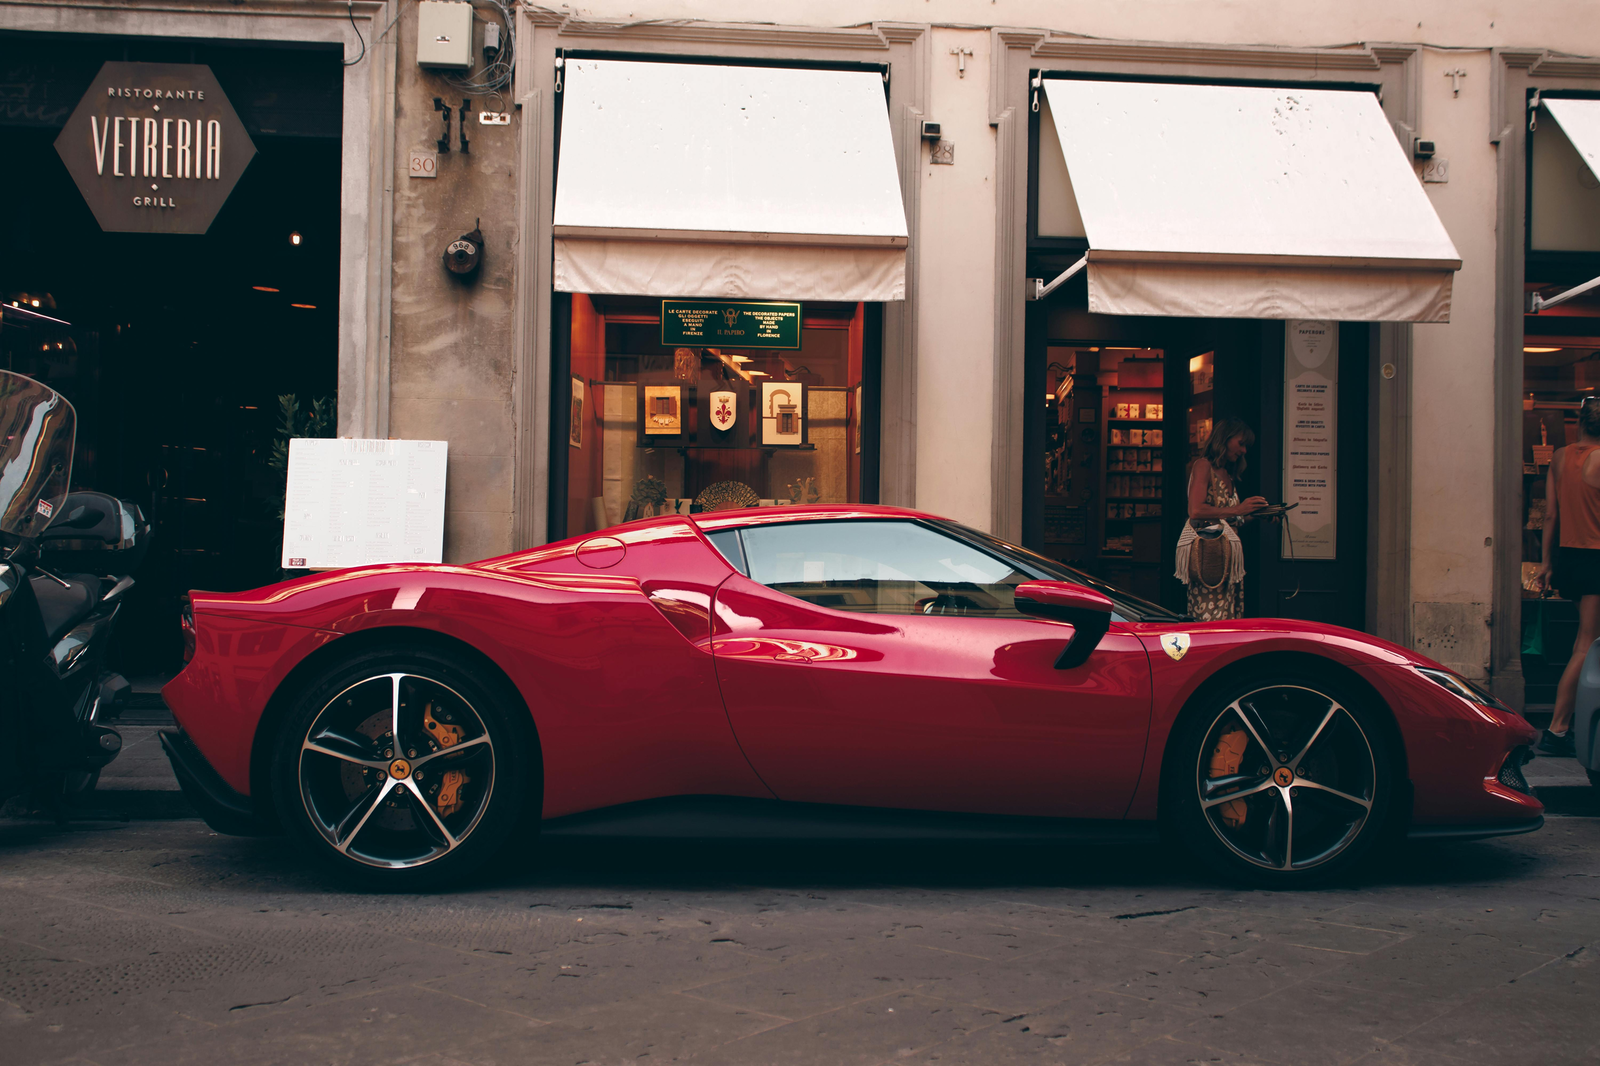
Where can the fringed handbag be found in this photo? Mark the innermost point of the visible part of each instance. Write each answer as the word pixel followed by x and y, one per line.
pixel 1210 557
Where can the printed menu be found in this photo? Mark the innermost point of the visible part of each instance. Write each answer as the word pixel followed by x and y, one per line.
pixel 355 502
pixel 1310 423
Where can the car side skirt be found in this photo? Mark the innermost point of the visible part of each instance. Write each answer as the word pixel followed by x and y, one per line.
pixel 740 818
pixel 1475 830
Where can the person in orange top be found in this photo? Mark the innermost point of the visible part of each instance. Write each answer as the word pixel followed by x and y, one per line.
pixel 1572 513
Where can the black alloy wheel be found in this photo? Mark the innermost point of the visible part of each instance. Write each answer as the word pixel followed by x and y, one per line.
pixel 1282 782
pixel 402 771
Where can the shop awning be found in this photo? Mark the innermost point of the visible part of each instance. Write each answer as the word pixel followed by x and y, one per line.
pixel 680 179
pixel 1214 201
pixel 1580 121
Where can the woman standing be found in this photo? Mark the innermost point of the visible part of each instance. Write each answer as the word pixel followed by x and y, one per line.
pixel 1214 501
pixel 1572 514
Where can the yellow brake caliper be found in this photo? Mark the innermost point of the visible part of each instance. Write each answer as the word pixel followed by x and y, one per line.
pixel 1225 760
pixel 448 736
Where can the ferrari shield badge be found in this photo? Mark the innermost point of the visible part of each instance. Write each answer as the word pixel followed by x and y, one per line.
pixel 724 410
pixel 1175 645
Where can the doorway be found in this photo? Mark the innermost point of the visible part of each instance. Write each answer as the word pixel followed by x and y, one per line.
pixel 177 348
pixel 1116 410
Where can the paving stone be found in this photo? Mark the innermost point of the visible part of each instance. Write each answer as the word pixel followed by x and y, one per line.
pixel 1537 1018
pixel 396 1026
pixel 578 978
pixel 1086 1027
pixel 892 1027
pixel 650 1028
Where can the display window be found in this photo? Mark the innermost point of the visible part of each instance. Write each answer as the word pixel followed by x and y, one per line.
pixel 1561 367
pixel 662 415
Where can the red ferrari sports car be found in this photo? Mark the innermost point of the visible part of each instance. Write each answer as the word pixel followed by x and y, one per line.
pixel 819 670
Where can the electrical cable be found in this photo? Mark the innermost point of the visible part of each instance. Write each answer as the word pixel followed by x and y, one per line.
pixel 1288 535
pixel 350 9
pixel 496 74
pixel 397 13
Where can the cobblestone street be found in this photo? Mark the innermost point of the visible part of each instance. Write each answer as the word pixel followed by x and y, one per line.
pixel 159 941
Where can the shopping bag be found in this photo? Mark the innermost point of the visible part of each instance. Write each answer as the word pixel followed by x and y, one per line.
pixel 1533 627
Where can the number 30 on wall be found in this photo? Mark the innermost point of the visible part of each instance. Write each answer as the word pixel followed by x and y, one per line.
pixel 424 165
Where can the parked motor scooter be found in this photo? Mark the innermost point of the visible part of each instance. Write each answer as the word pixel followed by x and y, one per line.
pixel 65 558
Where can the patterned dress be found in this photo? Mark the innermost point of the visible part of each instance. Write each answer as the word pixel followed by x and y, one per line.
pixel 1226 601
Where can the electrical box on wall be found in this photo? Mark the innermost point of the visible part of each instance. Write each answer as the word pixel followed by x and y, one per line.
pixel 444 34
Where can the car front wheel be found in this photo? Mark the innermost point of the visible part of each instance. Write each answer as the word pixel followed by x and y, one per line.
pixel 401 770
pixel 1282 782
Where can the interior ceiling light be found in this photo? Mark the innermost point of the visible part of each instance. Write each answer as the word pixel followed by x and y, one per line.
pixel 263 288
pixel 294 237
pixel 36 303
pixel 1539 351
pixel 741 358
pixel 308 307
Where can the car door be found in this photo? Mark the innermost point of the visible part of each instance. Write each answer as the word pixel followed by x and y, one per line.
pixel 881 663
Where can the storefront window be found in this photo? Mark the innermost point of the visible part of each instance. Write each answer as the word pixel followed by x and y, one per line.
pixel 659 426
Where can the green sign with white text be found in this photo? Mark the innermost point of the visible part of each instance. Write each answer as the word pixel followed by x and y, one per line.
pixel 729 324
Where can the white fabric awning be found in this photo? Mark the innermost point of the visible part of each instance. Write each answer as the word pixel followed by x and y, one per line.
pixel 680 179
pixel 1580 121
pixel 1214 201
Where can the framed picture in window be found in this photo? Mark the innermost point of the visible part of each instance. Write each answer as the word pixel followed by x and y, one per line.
pixel 783 413
pixel 663 410
pixel 860 417
pixel 575 427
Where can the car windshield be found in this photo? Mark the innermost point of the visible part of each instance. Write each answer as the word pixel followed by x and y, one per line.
pixel 1044 568
pixel 37 426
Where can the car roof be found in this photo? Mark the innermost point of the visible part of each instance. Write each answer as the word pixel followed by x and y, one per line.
pixel 711 521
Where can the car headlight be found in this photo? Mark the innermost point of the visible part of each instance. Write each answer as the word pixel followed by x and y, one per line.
pixel 1460 686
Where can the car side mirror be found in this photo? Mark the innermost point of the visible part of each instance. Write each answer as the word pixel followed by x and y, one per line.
pixel 1088 611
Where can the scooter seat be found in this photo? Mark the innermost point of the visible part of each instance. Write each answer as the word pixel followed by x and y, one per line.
pixel 63 607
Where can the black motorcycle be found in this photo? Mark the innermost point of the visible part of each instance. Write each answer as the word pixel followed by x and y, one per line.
pixel 64 564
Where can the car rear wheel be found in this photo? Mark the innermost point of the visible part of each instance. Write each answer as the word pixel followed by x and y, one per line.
pixel 1282 782
pixel 401 770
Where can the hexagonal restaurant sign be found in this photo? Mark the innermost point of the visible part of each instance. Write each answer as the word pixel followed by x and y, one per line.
pixel 155 147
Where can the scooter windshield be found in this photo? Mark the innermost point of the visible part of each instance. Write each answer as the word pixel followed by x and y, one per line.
pixel 37 426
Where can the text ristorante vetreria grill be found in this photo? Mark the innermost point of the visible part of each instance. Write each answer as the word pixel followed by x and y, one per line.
pixel 157 147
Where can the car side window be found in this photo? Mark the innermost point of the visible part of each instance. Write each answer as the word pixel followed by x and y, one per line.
pixel 726 541
pixel 880 567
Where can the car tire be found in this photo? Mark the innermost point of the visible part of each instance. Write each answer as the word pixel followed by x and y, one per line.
pixel 422 813
pixel 1281 782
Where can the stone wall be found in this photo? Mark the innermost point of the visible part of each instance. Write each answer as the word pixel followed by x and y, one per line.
pixel 450 356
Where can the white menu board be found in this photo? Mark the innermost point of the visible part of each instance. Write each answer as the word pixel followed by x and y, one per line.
pixel 352 502
pixel 1310 439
